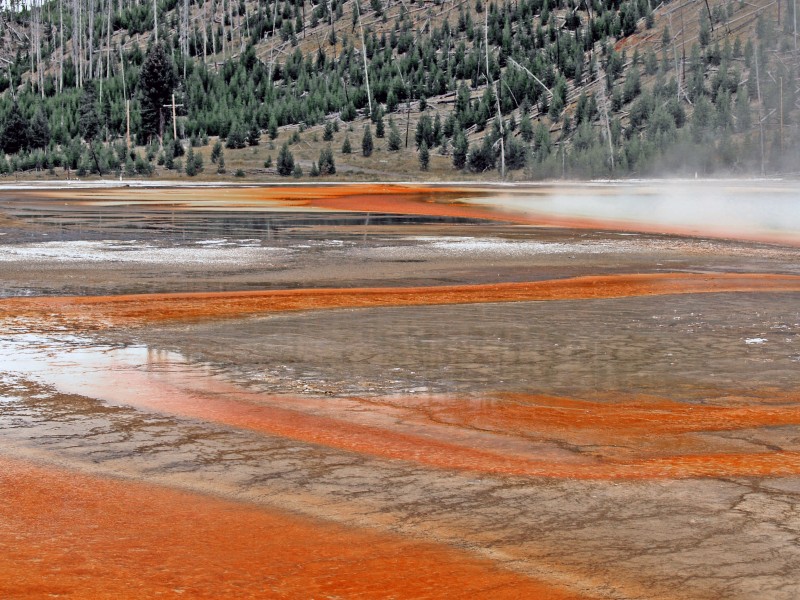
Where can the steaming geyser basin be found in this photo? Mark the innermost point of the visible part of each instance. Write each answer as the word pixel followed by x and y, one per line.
pixel 577 391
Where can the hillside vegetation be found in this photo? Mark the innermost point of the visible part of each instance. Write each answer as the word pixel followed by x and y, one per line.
pixel 387 89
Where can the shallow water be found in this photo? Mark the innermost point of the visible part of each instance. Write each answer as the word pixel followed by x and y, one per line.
pixel 611 447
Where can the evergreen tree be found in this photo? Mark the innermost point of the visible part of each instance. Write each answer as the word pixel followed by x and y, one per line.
pixel 424 157
pixel 88 120
pixel 379 127
pixel 221 163
pixel 285 161
pixel 742 110
pixel 216 151
pixel 253 135
pixel 526 128
pixel 39 131
pixel 366 141
pixel 156 82
pixel 327 166
pixel 328 133
pixel 190 169
pixel 394 137
pixel 346 148
pixel 236 136
pixel 460 150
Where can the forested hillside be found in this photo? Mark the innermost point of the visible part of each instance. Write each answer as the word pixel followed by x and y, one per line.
pixel 523 89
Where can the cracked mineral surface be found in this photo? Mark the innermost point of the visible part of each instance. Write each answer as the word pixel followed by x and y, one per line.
pixel 300 403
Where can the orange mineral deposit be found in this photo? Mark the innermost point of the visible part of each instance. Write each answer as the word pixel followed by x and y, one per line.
pixel 64 534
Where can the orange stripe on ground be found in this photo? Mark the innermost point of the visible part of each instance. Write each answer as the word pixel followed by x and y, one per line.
pixel 82 537
pixel 146 308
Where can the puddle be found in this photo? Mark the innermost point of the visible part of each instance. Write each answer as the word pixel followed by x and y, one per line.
pixel 482 428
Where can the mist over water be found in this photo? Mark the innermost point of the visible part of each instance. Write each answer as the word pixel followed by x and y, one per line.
pixel 756 210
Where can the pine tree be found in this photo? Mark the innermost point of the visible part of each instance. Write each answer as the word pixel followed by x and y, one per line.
pixel 253 135
pixel 191 167
pixel 156 82
pixel 394 137
pixel 742 110
pixel 221 163
pixel 88 120
pixel 327 166
pixel 346 148
pixel 286 163
pixel 216 151
pixel 366 141
pixel 424 157
pixel 526 128
pixel 460 150
pixel 236 136
pixel 15 131
pixel 39 131
pixel 380 129
pixel 328 133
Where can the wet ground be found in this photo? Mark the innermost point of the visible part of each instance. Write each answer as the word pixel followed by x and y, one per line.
pixel 439 406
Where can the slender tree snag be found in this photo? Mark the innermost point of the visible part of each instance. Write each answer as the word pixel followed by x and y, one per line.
pixel 364 54
pixel 489 82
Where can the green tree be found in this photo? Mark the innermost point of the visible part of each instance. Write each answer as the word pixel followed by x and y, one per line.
pixel 236 136
pixel 216 151
pixel 526 128
pixel 327 135
pixel 742 110
pixel 88 121
pixel 327 166
pixel 380 129
pixel 424 157
pixel 253 134
pixel 194 163
pixel 285 161
pixel 156 83
pixel 39 131
pixel 191 171
pixel 394 137
pixel 460 150
pixel 366 141
pixel 346 148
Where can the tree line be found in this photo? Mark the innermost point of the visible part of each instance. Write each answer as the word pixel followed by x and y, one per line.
pixel 538 86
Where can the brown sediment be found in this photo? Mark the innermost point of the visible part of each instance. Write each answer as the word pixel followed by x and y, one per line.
pixel 400 199
pixel 425 449
pixel 73 535
pixel 394 198
pixel 609 420
pixel 102 311
pixel 622 438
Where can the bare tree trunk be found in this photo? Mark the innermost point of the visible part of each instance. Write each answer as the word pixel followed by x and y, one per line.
pixel 496 95
pixel 108 40
pixel 230 16
pixel 364 54
pixel 75 37
pixel 205 35
pixel 604 107
pixel 224 45
pixel 90 54
pixel 272 39
pixel 760 109
pixel 155 20
pixel 214 35
pixel 61 61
